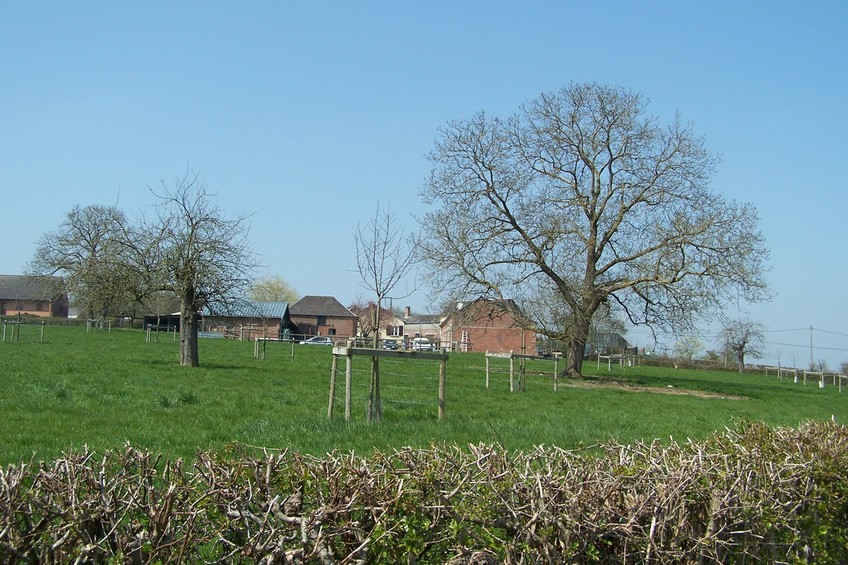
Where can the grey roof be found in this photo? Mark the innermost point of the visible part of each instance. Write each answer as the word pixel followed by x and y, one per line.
pixel 423 319
pixel 22 287
pixel 252 309
pixel 320 306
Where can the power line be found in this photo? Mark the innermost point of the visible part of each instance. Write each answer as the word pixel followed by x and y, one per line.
pixel 805 346
pixel 830 332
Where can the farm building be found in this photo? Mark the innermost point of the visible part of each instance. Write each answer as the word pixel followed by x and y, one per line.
pixel 607 343
pixel 250 319
pixel 421 325
pixel 322 315
pixel 485 325
pixel 33 296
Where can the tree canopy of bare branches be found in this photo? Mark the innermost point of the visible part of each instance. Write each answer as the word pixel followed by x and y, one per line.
pixel 87 251
pixel 193 249
pixel 384 256
pixel 583 199
pixel 189 250
pixel 744 338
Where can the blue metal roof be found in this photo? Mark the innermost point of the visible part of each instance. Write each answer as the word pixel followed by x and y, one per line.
pixel 252 309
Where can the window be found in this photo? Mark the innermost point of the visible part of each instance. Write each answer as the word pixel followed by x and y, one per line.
pixel 395 331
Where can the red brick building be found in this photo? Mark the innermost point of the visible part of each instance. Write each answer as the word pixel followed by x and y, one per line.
pixel 485 325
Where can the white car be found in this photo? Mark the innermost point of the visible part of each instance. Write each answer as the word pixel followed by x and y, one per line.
pixel 422 344
pixel 318 340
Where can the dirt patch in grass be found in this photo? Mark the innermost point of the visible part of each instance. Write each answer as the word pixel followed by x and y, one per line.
pixel 630 387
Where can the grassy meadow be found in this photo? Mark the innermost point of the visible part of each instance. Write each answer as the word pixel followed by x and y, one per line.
pixel 102 389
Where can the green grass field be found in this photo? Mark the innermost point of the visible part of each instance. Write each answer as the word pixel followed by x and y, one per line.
pixel 102 389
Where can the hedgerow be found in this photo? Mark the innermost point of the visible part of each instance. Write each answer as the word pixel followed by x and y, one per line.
pixel 751 494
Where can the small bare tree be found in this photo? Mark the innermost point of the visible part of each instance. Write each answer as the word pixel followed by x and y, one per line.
pixel 743 338
pixel 384 257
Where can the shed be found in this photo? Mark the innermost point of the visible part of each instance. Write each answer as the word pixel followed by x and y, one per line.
pixel 33 296
pixel 249 319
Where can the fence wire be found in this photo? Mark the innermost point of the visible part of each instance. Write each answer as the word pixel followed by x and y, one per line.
pixel 403 383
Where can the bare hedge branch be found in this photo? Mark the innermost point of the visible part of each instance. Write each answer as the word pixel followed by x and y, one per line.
pixel 751 494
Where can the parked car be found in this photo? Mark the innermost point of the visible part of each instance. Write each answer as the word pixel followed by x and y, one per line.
pixel 422 344
pixel 318 340
pixel 390 344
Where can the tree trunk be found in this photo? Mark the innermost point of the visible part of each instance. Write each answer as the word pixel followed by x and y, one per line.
pixel 575 350
pixel 576 343
pixel 188 338
pixel 740 362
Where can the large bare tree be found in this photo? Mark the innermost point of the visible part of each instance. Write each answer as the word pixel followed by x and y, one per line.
pixel 585 196
pixel 87 251
pixel 193 249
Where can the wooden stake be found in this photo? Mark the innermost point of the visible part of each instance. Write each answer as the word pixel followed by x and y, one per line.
pixel 511 373
pixel 487 368
pixel 348 359
pixel 332 386
pixel 442 372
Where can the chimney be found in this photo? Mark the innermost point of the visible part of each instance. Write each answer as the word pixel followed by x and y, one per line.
pixel 407 312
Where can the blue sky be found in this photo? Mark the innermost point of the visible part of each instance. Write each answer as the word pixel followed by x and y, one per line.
pixel 305 115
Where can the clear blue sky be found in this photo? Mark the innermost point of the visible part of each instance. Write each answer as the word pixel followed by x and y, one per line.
pixel 306 114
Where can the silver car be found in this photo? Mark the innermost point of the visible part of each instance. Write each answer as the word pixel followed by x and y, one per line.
pixel 318 340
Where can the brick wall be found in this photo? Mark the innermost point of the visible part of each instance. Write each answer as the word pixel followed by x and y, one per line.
pixel 486 329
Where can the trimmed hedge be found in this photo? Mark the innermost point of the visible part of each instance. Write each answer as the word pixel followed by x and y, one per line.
pixel 751 494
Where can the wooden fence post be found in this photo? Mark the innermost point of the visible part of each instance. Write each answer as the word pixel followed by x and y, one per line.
pixel 374 410
pixel 348 359
pixel 487 369
pixel 522 374
pixel 511 373
pixel 442 372
pixel 332 386
pixel 556 374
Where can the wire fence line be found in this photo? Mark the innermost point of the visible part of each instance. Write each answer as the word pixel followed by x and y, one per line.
pixel 408 378
pixel 810 346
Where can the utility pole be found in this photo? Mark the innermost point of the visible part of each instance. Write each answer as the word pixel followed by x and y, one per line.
pixel 812 365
